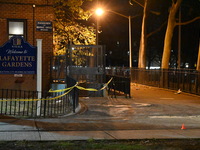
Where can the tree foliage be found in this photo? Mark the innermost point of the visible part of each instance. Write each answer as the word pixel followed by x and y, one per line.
pixel 71 25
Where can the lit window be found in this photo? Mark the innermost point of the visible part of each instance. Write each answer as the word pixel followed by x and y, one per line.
pixel 16 27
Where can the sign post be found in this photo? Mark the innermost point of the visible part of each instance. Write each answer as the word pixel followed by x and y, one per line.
pixel 39 74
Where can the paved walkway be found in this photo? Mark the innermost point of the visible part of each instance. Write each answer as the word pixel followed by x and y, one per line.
pixel 150 113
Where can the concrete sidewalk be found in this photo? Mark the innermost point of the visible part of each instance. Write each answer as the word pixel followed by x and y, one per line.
pixel 152 113
pixel 98 135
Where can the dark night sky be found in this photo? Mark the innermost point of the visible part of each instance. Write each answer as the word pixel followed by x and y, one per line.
pixel 115 30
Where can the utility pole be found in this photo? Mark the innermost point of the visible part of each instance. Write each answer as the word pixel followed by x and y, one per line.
pixel 179 40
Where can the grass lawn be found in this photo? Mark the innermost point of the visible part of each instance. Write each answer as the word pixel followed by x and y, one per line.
pixel 179 144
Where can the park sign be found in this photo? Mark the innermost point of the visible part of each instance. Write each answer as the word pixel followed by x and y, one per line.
pixel 18 57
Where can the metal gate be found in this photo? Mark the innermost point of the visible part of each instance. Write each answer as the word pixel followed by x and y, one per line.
pixel 84 63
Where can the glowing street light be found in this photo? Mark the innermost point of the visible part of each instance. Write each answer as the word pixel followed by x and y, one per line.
pixel 100 11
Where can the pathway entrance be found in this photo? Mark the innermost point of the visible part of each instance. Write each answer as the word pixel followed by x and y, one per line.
pixel 86 64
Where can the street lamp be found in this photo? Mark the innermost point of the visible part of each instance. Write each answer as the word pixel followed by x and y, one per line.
pixel 179 41
pixel 130 37
pixel 100 11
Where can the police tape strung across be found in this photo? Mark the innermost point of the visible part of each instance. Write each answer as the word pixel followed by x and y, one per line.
pixel 61 90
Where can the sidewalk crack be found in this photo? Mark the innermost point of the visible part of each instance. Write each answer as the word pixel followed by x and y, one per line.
pixel 110 135
pixel 38 130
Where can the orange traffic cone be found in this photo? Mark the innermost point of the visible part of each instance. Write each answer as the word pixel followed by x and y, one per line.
pixel 183 127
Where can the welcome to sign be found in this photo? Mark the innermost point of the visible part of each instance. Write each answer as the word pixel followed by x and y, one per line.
pixel 18 57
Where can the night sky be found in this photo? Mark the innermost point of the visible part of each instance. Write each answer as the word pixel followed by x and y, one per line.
pixel 114 29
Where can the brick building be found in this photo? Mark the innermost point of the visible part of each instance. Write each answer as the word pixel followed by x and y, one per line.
pixel 26 14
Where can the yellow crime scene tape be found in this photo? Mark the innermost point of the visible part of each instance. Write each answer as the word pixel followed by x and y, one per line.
pixel 40 98
pixel 62 90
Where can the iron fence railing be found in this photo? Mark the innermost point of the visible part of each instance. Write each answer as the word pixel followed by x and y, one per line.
pixel 25 103
pixel 186 80
pixel 120 84
pixel 118 71
pixel 85 63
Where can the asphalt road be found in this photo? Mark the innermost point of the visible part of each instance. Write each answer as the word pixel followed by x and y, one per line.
pixel 150 113
pixel 149 108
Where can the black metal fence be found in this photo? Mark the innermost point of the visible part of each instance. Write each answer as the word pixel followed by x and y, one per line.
pixel 185 80
pixel 85 63
pixel 118 71
pixel 120 84
pixel 26 103
pixel 58 69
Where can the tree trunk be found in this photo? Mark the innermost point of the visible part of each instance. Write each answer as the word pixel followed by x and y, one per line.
pixel 142 50
pixel 169 34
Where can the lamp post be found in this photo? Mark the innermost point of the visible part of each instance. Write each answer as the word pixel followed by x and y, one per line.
pixel 100 11
pixel 130 45
pixel 179 41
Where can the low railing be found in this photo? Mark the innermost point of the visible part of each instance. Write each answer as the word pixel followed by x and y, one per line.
pixel 118 71
pixel 175 79
pixel 184 79
pixel 25 103
pixel 74 94
pixel 120 84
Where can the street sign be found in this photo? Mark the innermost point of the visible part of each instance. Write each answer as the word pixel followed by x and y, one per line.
pixel 44 26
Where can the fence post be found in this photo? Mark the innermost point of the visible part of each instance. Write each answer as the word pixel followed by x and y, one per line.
pixel 74 99
pixel 39 74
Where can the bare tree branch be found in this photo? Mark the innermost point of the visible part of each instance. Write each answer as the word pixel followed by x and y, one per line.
pixel 188 22
pixel 153 12
pixel 130 2
pixel 157 30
